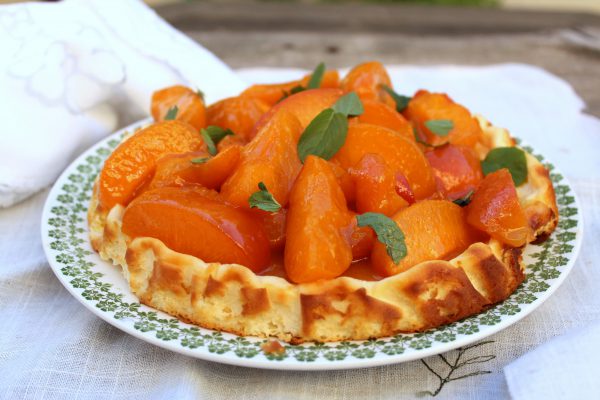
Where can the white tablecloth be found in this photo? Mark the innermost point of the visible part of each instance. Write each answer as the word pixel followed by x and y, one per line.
pixel 52 347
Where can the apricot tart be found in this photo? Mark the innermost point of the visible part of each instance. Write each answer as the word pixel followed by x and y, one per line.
pixel 321 209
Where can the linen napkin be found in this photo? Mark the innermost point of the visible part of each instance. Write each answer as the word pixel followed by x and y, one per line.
pixel 74 71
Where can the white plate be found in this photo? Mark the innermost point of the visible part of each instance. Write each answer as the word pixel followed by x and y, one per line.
pixel 100 287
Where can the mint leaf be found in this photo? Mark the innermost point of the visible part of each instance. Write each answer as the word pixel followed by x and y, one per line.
pixel 316 77
pixel 199 160
pixel 466 199
pixel 263 200
pixel 349 105
pixel 400 100
pixel 172 113
pixel 313 83
pixel 388 233
pixel 217 133
pixel 511 158
pixel 324 136
pixel 440 127
pixel 210 145
pixel 212 135
pixel 424 143
pixel 200 94
pixel 296 89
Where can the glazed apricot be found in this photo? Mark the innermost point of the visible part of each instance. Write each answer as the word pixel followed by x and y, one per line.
pixel 206 227
pixel 274 225
pixel 189 104
pixel 495 209
pixel 271 157
pixel 318 225
pixel 271 94
pixel 346 182
pixel 457 169
pixel 377 113
pixel 376 186
pixel 433 230
pixel 400 153
pixel 239 114
pixel 132 164
pixel 231 140
pixel 361 242
pixel 305 106
pixel 367 80
pixel 179 170
pixel 425 106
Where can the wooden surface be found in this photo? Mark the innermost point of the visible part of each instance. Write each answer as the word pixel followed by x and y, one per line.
pixel 293 35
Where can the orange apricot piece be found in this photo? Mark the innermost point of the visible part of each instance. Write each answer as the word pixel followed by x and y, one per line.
pixel 189 104
pixel 457 169
pixel 271 94
pixel 346 182
pixel 400 153
pixel 179 170
pixel 377 113
pixel 271 157
pixel 274 225
pixel 231 140
pixel 319 225
pixel 376 186
pixel 305 106
pixel 239 114
pixel 367 80
pixel 132 164
pixel 433 230
pixel 495 209
pixel 206 227
pixel 425 106
pixel 361 242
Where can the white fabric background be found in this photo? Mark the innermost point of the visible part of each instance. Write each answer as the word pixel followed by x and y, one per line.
pixel 52 347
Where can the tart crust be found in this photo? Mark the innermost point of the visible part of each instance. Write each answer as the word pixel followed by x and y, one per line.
pixel 230 297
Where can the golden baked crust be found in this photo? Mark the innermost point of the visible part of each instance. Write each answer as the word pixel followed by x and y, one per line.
pixel 230 297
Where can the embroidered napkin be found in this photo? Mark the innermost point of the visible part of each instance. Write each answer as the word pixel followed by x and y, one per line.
pixel 74 71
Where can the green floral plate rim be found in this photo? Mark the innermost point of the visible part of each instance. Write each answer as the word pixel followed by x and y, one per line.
pixel 102 289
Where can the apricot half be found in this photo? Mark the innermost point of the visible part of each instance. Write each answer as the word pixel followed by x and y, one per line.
pixel 190 105
pixel 319 225
pixel 377 113
pixel 376 186
pixel 206 227
pixel 425 106
pixel 305 106
pixel 271 157
pixel 401 154
pixel 132 164
pixel 239 114
pixel 457 169
pixel 273 93
pixel 433 230
pixel 180 170
pixel 367 80
pixel 495 209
